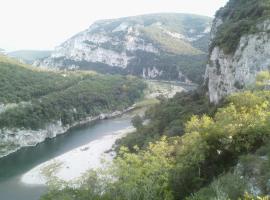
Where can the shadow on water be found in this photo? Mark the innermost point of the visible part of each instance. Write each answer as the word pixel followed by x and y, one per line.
pixel 12 167
pixel 28 157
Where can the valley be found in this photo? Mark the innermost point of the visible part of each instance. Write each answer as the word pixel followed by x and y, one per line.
pixel 158 106
pixel 81 148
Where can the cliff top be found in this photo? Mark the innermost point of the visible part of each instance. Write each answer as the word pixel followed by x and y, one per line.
pixel 239 17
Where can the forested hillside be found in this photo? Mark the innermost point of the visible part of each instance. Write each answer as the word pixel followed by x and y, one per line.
pixel 41 97
pixel 37 104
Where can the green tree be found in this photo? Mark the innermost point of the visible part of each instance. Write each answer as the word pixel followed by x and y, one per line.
pixel 137 122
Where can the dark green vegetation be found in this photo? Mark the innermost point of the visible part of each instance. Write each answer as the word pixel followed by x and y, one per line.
pixel 168 118
pixel 22 83
pixel 192 66
pixel 29 56
pixel 210 156
pixel 239 17
pixel 252 168
pixel 43 97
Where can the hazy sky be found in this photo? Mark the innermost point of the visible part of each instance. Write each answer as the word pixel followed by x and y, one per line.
pixel 44 24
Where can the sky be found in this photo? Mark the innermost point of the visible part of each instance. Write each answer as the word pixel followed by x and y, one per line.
pixel 44 24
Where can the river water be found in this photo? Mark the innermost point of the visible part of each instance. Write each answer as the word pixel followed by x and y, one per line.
pixel 15 165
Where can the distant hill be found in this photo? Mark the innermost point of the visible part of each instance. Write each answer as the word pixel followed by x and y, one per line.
pixel 157 46
pixel 29 56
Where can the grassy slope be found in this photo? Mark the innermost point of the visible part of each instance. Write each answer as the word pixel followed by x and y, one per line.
pixel 170 44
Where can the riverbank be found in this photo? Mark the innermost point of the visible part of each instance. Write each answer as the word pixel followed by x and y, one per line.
pixel 72 165
pixel 11 140
pixel 14 166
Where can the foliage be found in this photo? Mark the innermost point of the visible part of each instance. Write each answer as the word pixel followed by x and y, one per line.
pixel 21 83
pixel 137 122
pixel 132 176
pixel 250 174
pixel 252 197
pixel 43 97
pixel 216 154
pixel 175 168
pixel 240 127
pixel 225 187
pixel 193 66
pixel 263 80
pixel 168 118
pixel 239 17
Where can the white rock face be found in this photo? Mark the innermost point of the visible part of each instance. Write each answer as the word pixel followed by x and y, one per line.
pixel 2 108
pixel 122 27
pixel 128 45
pixel 151 73
pixel 227 74
pixel 100 47
pixel 5 107
pixel 12 140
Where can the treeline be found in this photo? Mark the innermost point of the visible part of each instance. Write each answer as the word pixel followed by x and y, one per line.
pixel 68 97
pixel 168 118
pixel 20 82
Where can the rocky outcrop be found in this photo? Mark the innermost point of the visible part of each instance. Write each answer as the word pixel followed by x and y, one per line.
pixel 98 46
pixel 151 73
pixel 229 73
pixel 12 140
pixel 142 45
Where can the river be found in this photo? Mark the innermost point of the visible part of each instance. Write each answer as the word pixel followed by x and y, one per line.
pixel 15 165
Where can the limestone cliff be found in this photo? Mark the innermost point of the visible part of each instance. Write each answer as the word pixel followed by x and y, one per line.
pixel 165 46
pixel 240 48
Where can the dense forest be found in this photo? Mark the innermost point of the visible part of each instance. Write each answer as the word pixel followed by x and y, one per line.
pixel 189 152
pixel 35 98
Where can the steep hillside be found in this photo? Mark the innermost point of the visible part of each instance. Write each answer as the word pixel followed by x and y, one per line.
pixel 29 56
pixel 35 105
pixel 217 154
pixel 157 46
pixel 240 46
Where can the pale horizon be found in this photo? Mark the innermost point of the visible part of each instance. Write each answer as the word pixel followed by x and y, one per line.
pixel 43 25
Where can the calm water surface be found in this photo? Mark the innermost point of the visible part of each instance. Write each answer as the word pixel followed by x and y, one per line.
pixel 15 165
